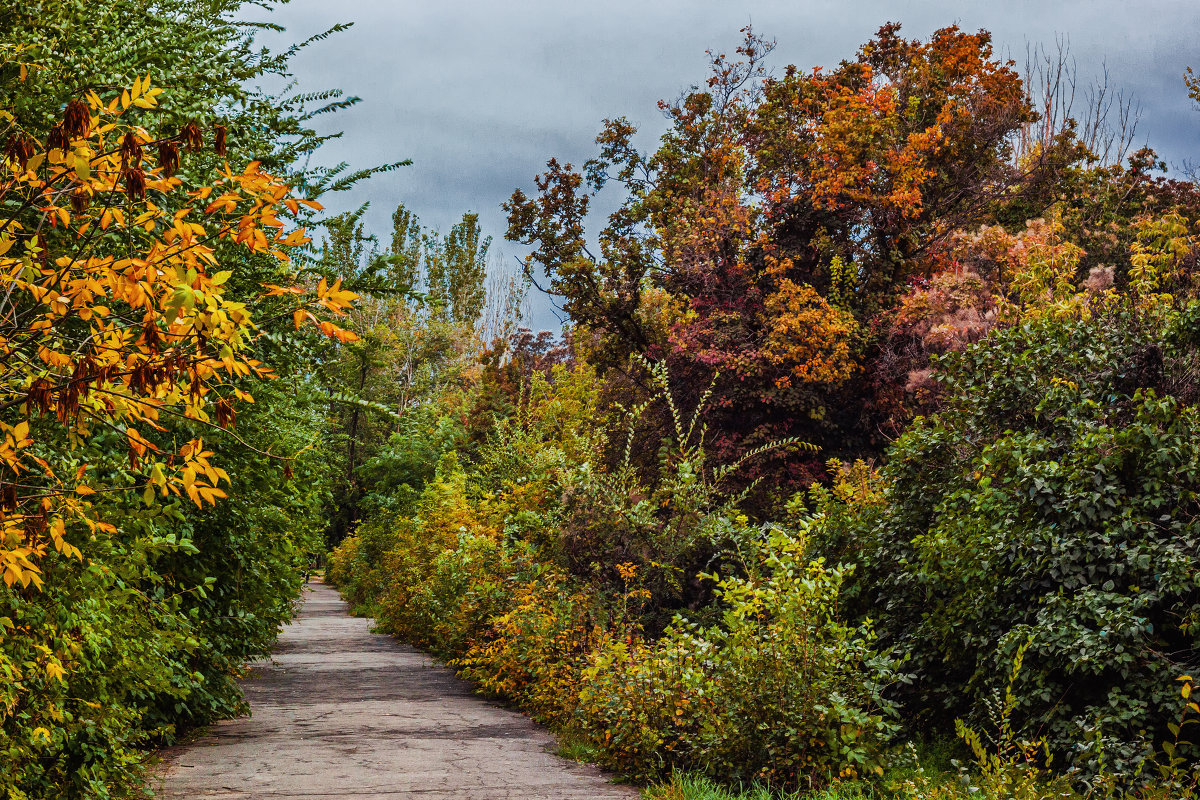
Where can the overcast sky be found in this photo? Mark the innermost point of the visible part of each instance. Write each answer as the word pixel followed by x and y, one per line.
pixel 480 93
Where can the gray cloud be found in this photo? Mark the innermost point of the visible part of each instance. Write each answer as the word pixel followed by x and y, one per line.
pixel 479 94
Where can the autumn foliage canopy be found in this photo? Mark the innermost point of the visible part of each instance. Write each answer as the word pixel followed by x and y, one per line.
pixel 115 312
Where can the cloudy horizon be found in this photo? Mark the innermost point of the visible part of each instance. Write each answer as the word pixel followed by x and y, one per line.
pixel 479 95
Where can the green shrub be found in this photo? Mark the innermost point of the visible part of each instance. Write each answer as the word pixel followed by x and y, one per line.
pixel 79 662
pixel 781 692
pixel 356 565
pixel 672 521
pixel 1055 498
pixel 146 635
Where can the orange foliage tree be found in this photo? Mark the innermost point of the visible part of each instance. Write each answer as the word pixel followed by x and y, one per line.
pixel 781 215
pixel 115 312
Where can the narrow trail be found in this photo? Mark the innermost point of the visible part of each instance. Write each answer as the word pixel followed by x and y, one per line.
pixel 340 712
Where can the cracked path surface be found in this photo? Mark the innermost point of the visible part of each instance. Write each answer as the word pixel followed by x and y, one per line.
pixel 340 712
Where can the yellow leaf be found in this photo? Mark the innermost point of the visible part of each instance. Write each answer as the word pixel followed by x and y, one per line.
pixel 84 490
pixel 54 671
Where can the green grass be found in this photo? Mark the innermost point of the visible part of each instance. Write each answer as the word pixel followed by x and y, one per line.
pixel 934 757
pixel 685 786
pixel 576 748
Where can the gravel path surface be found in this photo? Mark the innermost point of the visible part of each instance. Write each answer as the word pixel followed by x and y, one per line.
pixel 340 712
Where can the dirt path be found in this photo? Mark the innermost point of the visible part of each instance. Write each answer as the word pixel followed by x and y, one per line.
pixel 340 712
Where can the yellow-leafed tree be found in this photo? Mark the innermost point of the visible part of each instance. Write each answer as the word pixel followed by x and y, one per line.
pixel 114 313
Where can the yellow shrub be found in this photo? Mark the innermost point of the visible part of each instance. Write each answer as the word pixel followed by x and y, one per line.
pixel 536 652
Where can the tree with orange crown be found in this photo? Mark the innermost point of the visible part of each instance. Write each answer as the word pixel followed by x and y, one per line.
pixel 114 314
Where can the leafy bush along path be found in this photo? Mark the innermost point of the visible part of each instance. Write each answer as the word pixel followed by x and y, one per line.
pixel 342 712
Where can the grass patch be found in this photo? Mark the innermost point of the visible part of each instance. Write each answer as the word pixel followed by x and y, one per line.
pixel 686 786
pixel 576 748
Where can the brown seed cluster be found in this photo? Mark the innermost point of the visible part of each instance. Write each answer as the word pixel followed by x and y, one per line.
pixel 168 157
pixel 77 122
pixel 191 136
pixel 19 149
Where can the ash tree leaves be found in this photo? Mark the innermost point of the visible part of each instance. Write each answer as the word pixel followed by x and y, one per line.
pixel 116 314
pixel 152 212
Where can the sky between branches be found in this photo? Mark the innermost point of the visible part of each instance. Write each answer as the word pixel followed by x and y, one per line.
pixel 480 93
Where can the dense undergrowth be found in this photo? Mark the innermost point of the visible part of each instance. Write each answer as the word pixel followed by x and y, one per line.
pixel 463 577
pixel 832 459
pixel 814 635
pixel 1061 537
